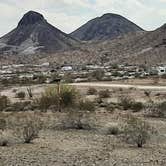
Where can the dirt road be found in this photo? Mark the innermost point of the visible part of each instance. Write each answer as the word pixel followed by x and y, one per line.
pixel 111 85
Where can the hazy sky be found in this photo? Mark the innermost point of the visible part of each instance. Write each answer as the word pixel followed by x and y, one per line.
pixel 68 15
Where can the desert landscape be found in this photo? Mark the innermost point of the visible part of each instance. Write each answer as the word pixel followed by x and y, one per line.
pixel 82 83
pixel 90 135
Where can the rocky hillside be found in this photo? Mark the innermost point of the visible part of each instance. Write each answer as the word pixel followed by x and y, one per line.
pixel 108 26
pixel 34 34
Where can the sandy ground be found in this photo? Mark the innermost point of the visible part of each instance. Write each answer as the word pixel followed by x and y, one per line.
pixel 86 148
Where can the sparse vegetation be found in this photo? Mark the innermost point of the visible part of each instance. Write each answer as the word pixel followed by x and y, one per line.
pixel 80 120
pixel 86 105
pixel 66 97
pixel 113 130
pixel 92 91
pixel 156 110
pixel 136 131
pixel 4 102
pixel 26 127
pixel 104 93
pixel 3 139
pixel 128 103
pixel 21 95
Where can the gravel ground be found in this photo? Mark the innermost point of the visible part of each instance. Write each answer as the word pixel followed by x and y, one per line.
pixel 80 148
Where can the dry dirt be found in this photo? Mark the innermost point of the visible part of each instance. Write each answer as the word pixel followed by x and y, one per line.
pixel 86 148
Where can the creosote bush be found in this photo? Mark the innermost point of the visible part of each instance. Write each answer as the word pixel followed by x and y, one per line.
pixel 80 120
pixel 128 103
pixel 136 131
pixel 26 127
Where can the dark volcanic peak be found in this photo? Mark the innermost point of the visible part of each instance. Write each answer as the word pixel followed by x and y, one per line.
pixel 34 34
pixel 108 26
pixel 31 18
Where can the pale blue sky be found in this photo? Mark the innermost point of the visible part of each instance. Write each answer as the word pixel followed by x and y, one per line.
pixel 68 15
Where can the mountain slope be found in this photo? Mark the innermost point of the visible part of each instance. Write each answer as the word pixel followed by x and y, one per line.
pixel 108 26
pixel 135 48
pixel 34 34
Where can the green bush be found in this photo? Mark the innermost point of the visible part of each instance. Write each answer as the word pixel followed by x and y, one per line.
pixel 66 97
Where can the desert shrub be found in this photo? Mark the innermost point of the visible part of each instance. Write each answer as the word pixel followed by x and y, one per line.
pixel 104 93
pixel 66 97
pixel 110 108
pixel 18 107
pixel 48 98
pixel 126 102
pixel 91 91
pixel 113 130
pixel 21 95
pixel 3 139
pixel 136 131
pixel 80 120
pixel 137 106
pixel 4 102
pixel 26 127
pixel 86 105
pixel 147 93
pixel 156 110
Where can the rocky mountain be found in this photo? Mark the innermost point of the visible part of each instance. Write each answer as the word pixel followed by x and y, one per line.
pixel 140 48
pixel 108 26
pixel 34 34
pixel 146 47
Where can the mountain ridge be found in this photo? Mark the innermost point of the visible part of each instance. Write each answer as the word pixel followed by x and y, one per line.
pixel 108 26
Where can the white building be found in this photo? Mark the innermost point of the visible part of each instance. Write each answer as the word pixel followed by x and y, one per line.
pixel 67 68
pixel 161 70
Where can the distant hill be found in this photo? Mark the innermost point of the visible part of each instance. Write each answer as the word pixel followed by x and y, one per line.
pixel 108 26
pixel 34 34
